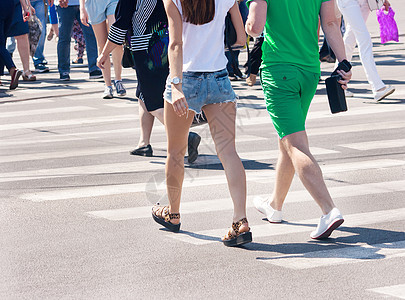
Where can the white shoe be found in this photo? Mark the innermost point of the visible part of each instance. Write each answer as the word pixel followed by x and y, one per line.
pixel 378 96
pixel 327 224
pixel 348 93
pixel 108 92
pixel 263 206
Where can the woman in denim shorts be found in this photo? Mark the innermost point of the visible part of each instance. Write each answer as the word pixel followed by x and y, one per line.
pixel 100 14
pixel 198 81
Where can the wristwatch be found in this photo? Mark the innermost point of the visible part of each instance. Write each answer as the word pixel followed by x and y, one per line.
pixel 175 80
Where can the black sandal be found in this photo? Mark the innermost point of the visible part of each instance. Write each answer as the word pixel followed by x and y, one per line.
pixel 236 238
pixel 165 217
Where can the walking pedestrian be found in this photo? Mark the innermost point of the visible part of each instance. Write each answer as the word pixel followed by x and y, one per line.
pixel 146 21
pixel 355 14
pixel 290 73
pixel 68 11
pixel 199 81
pixel 100 14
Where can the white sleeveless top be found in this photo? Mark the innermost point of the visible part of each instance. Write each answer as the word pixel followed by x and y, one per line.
pixel 203 45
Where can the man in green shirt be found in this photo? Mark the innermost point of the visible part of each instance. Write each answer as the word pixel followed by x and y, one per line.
pixel 289 75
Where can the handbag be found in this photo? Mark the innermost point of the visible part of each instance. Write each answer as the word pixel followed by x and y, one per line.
pixel 127 58
pixel 388 26
pixel 375 4
pixel 35 30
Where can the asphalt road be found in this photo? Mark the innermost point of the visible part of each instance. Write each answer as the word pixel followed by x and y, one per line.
pixel 75 206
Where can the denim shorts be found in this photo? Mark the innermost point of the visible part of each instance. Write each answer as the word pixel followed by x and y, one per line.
pixel 98 10
pixel 202 88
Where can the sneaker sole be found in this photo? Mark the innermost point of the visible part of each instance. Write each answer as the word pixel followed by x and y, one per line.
pixel 96 77
pixel 386 95
pixel 107 97
pixel 329 231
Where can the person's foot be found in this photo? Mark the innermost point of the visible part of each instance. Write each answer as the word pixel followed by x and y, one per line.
pixel 251 80
pixel 50 35
pixel 239 234
pixel 119 87
pixel 193 142
pixel 388 90
pixel 143 151
pixel 349 93
pixel 64 76
pixel 28 76
pixel 327 224
pixel 41 68
pixel 233 77
pixel 78 61
pixel 166 218
pixel 108 92
pixel 327 58
pixel 96 74
pixel 15 75
pixel 263 206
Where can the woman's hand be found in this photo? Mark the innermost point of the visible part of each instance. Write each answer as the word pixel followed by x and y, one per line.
pixel 387 5
pixel 84 17
pixel 180 105
pixel 346 76
pixel 101 59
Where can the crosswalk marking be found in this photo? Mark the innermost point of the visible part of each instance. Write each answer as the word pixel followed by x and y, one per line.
pixel 26 104
pixel 149 165
pixel 56 123
pixel 397 291
pixel 268 230
pixel 257 176
pixel 380 144
pixel 349 254
pixel 116 149
pixel 240 121
pixel 226 203
pixel 56 110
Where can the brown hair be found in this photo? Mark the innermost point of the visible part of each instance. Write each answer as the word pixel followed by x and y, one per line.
pixel 198 12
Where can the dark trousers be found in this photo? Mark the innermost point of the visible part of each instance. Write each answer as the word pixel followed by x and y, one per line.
pixel 6 17
pixel 256 56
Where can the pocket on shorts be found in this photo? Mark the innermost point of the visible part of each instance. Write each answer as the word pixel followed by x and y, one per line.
pixel 224 84
pixel 191 85
pixel 282 77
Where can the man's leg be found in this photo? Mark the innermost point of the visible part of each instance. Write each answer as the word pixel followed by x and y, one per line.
pixel 65 18
pixel 39 52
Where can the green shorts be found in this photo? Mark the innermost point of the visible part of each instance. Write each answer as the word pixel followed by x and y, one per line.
pixel 288 91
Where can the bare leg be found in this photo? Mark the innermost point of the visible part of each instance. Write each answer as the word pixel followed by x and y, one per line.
pixel 221 119
pixel 117 52
pixel 284 176
pixel 146 123
pixel 100 31
pixel 177 133
pixel 308 170
pixel 23 47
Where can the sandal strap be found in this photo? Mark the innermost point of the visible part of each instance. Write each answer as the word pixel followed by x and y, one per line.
pixel 167 216
pixel 237 225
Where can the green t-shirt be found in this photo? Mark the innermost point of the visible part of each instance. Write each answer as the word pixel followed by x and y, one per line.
pixel 290 34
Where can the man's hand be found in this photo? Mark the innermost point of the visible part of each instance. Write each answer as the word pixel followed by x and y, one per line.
pixel 346 76
pixel 63 3
pixel 387 5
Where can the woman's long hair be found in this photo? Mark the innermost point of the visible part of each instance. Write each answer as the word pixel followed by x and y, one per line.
pixel 198 12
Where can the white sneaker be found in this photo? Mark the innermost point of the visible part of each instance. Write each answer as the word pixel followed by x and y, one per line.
pixel 263 206
pixel 349 93
pixel 327 224
pixel 108 92
pixel 378 96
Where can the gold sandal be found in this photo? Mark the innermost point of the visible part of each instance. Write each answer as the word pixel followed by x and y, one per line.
pixel 236 238
pixel 165 217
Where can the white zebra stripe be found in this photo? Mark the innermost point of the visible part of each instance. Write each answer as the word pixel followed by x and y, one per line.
pixel 397 291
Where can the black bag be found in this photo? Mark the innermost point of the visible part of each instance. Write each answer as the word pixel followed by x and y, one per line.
pixel 336 95
pixel 127 58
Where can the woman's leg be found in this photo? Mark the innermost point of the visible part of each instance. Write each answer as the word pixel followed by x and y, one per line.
pixel 117 52
pixel 146 121
pixel 23 47
pixel 221 119
pixel 100 31
pixel 177 134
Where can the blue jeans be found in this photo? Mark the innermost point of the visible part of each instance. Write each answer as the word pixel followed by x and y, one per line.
pixel 66 17
pixel 40 13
